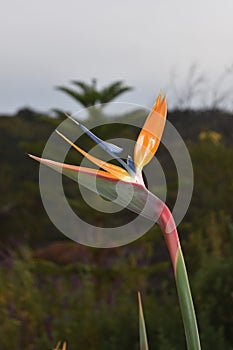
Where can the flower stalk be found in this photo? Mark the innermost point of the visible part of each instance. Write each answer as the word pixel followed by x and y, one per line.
pixel 131 174
pixel 170 233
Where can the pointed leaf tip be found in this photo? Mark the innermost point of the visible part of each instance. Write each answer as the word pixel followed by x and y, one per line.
pixel 142 326
pixel 58 346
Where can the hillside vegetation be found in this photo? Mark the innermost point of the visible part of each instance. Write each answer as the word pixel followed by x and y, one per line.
pixel 52 288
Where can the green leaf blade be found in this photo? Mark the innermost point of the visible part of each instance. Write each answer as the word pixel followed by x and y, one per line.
pixel 142 326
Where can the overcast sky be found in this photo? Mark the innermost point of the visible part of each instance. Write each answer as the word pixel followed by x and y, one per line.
pixel 50 42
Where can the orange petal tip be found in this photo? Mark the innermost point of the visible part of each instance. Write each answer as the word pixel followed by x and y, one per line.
pixel 151 133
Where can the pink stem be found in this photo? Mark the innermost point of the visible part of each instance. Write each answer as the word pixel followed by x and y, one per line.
pixel 168 227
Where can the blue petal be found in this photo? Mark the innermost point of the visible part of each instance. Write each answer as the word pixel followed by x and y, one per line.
pixel 130 163
pixel 110 148
pixel 107 146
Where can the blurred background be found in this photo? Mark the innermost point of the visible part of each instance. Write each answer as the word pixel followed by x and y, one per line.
pixel 58 57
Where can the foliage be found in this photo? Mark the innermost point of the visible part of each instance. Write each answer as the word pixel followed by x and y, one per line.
pixel 90 299
pixel 88 95
pixel 96 308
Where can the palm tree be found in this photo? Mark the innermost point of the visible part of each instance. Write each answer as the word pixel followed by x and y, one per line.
pixel 88 95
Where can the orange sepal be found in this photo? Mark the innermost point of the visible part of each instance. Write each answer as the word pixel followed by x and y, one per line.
pixel 115 170
pixel 75 168
pixel 149 138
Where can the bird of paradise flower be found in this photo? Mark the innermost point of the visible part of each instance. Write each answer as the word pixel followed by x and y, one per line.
pixel 145 148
